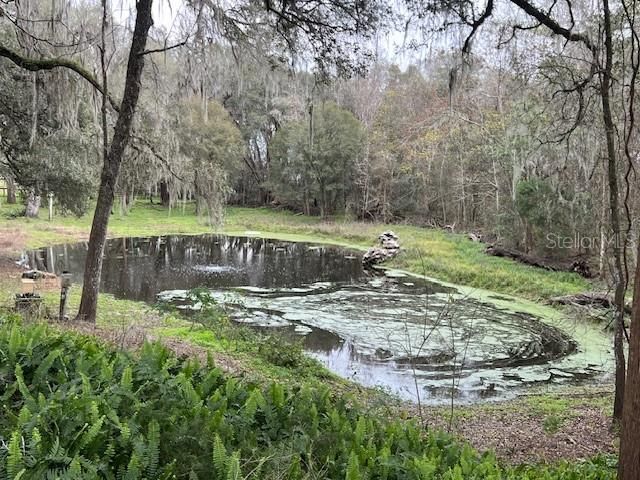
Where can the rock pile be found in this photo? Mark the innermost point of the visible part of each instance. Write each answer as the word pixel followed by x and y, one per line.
pixel 388 247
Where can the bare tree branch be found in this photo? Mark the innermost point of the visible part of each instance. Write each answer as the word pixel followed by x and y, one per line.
pixel 546 20
pixel 476 25
pixel 166 49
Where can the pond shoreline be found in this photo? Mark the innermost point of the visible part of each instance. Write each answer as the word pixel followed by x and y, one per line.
pixel 17 235
pixel 476 346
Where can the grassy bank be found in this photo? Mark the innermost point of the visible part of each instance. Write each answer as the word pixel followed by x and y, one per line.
pixel 257 357
pixel 444 256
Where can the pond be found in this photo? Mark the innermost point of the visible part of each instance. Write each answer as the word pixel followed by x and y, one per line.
pixel 380 328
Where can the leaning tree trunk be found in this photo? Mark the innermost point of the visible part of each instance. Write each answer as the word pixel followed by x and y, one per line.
pixel 111 167
pixel 619 280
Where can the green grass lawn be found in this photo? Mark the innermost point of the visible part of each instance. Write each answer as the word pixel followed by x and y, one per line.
pixel 434 253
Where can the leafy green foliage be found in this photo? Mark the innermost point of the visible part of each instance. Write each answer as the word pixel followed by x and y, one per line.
pixel 212 146
pixel 275 348
pixel 63 165
pixel 88 412
pixel 282 352
pixel 56 154
pixel 312 166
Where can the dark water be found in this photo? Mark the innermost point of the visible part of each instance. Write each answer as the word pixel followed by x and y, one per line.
pixel 381 330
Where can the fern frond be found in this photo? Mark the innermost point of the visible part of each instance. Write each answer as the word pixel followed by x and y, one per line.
pixel 15 461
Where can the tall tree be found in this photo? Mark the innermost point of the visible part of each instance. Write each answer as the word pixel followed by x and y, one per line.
pixel 121 136
pixel 313 160
pixel 112 161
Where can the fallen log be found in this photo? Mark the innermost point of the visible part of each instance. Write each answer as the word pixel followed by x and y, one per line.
pixel 579 265
pixel 588 299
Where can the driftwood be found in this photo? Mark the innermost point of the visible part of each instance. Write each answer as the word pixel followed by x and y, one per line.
pixel 579 266
pixel 589 299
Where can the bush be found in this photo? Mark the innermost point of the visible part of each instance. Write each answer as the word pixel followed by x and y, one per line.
pixel 282 352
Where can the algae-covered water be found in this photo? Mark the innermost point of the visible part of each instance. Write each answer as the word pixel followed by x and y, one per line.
pixel 403 333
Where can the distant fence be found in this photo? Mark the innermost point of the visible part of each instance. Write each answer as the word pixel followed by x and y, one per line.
pixel 3 188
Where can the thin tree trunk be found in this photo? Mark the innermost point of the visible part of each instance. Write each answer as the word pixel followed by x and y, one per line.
pixel 619 281
pixel 34 111
pixel 497 187
pixel 629 458
pixel 165 196
pixel 11 189
pixel 323 201
pixel 603 243
pixel 111 168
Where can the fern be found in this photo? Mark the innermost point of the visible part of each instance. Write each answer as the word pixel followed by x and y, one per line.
pixel 24 416
pixel 95 412
pixel 45 366
pixel 57 453
pixel 91 434
pixel 277 395
pixel 87 423
pixel 233 469
pixel 126 381
pixel 254 400
pixel 153 449
pixel 220 457
pixel 353 468
pixel 133 469
pixel 14 344
pixel 295 470
pixel 22 387
pixel 35 444
pixel 360 431
pixel 125 432
pixel 75 469
pixel 15 462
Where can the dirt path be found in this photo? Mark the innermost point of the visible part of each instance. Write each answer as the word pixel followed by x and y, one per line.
pixel 568 425
pixel 517 430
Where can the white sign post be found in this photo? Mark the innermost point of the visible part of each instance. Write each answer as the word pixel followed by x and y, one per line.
pixel 50 195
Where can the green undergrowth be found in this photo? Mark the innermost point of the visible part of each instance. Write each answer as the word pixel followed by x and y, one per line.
pixel 432 252
pixel 264 355
pixel 269 357
pixel 114 313
pixel 73 408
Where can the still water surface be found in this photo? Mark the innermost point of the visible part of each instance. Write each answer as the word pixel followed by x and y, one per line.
pixel 385 329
